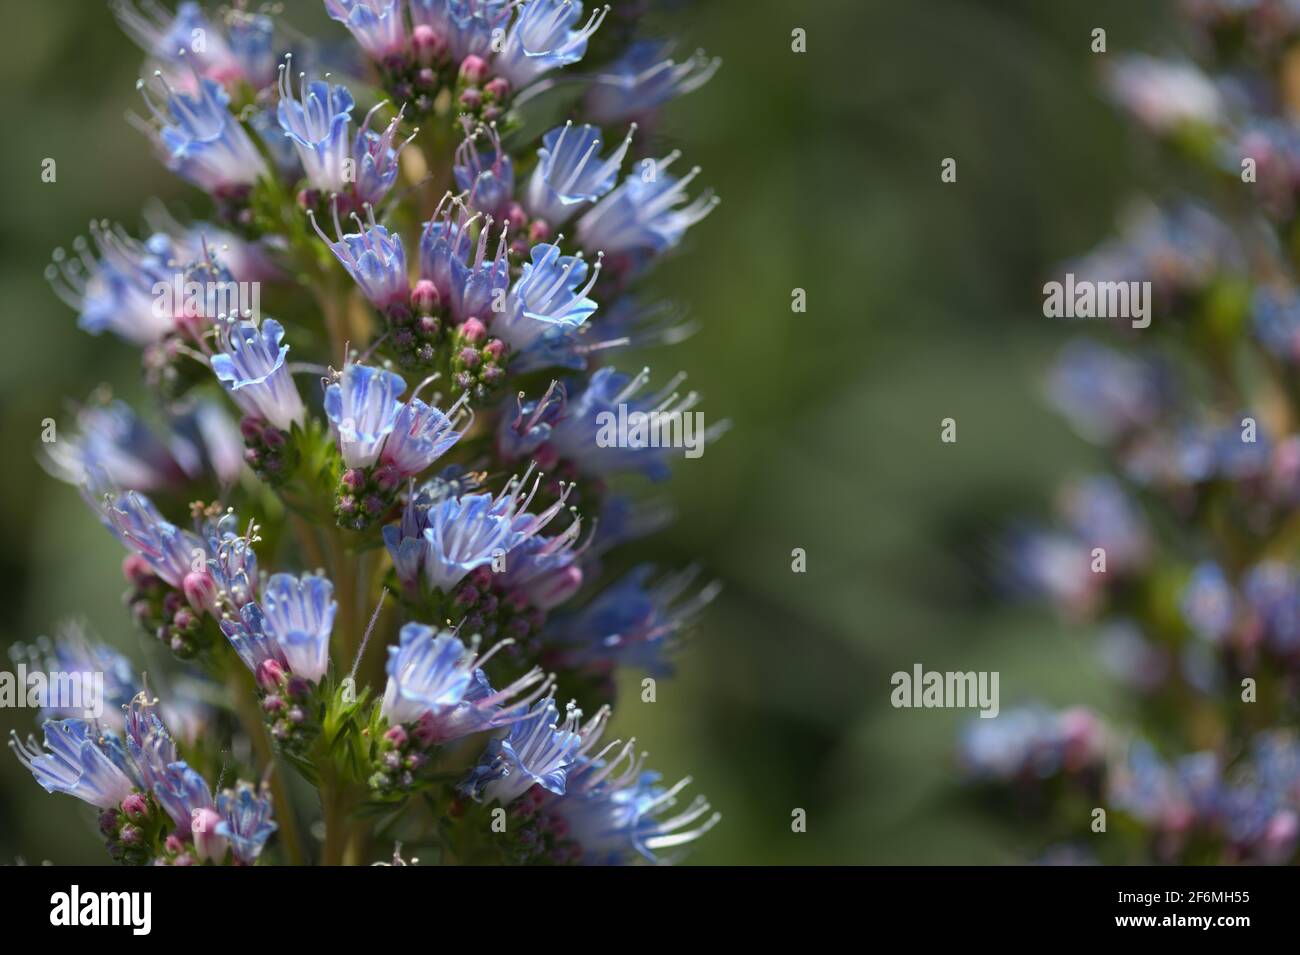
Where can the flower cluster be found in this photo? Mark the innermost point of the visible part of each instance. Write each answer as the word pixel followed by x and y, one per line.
pixel 412 477
pixel 1184 554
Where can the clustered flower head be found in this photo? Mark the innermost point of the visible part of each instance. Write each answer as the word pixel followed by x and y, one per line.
pixel 1183 555
pixel 375 524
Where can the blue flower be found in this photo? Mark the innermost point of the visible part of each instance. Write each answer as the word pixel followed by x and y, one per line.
pixel 251 367
pixel 570 173
pixel 487 176
pixel 1106 394
pixel 78 761
pixel 1031 742
pixel 250 36
pixel 538 751
pixel 72 652
pixel 444 541
pixel 245 821
pixel 466 26
pixel 317 121
pixel 614 814
pixel 374 257
pixel 148 743
pixel 467 284
pixel 170 40
pixel 114 290
pixel 544 570
pixel 433 679
pixel 377 25
pixel 523 434
pixel 644 215
pixel 543 38
pixel 115 450
pixel 182 792
pixel 546 308
pixel 422 434
pixel 644 78
pixel 632 622
pixel 582 435
pixel 257 647
pixel 202 142
pixel 170 552
pixel 232 562
pixel 362 407
pixel 376 157
pixel 298 614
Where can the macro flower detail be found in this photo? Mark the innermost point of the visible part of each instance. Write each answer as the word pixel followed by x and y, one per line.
pixel 359 554
pixel 570 172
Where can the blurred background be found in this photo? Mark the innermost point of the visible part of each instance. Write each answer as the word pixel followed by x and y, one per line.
pixel 923 303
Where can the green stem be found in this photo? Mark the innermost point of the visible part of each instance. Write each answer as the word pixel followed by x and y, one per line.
pixel 250 715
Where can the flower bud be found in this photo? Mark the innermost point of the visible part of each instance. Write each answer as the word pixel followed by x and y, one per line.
pixel 428 43
pixel 473 331
pixel 270 675
pixel 473 70
pixel 424 297
pixel 137 571
pixel 135 806
pixel 203 825
pixel 200 590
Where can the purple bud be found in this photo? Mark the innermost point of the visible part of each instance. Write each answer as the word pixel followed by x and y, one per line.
pixel 135 806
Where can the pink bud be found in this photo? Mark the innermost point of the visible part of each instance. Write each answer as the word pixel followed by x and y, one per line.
pixel 388 478
pixel 471 98
pixel 137 570
pixel 424 297
pixel 396 735
pixel 354 479
pixel 428 43
pixel 251 428
pixel 473 331
pixel 200 590
pixel 469 358
pixel 203 825
pixel 270 675
pixel 554 589
pixel 498 87
pixel 473 70
pixel 539 231
pixel 495 349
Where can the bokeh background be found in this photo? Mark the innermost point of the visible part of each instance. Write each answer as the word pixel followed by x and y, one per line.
pixel 923 303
